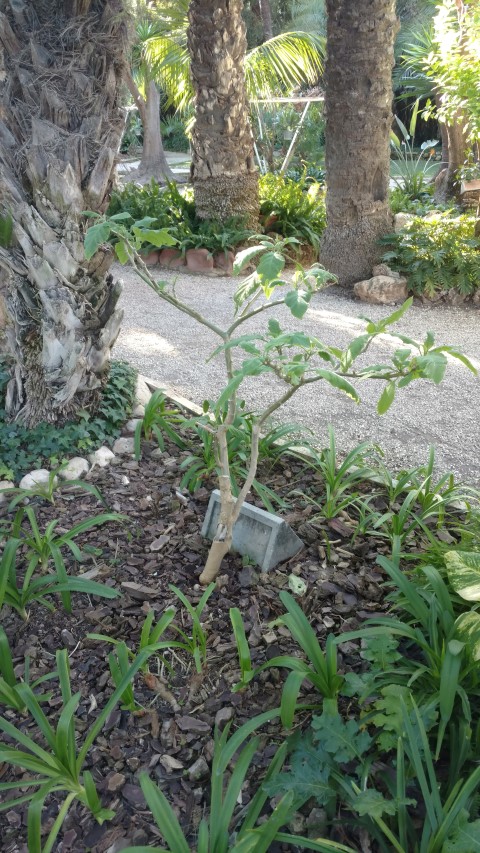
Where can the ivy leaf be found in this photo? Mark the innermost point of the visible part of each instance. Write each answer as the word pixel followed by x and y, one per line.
pixel 95 237
pixel 298 301
pixel 386 398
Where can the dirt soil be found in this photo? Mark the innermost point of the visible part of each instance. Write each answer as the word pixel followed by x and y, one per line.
pixel 159 545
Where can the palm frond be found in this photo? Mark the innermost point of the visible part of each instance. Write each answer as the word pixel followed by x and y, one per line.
pixel 309 16
pixel 409 74
pixel 284 62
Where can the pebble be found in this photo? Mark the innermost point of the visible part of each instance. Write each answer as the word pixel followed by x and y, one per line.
pixel 115 781
pixel 198 770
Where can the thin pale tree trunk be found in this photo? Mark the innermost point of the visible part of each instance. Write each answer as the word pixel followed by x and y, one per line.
pixel 358 107
pixel 224 175
pixel 153 163
pixel 61 122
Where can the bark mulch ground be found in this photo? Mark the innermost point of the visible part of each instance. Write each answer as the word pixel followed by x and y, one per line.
pixel 160 545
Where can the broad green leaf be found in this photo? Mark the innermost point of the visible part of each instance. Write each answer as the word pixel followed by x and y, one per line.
pixel 463 571
pixel 95 237
pixel 432 366
pixel 468 629
pixel 372 803
pixel 465 838
pixel 270 265
pixel 122 252
pixel 120 217
pixel 386 398
pixel 298 301
pixel 339 382
pixel 158 238
pixel 245 256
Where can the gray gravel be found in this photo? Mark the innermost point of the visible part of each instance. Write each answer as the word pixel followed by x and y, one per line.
pixel 171 348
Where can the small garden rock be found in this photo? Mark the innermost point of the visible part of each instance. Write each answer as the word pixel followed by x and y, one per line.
pixel 198 770
pixel 224 261
pixel 381 290
pixel 171 258
pixel 75 469
pixel 384 269
pixel 36 479
pixel 101 457
pixel 142 392
pixel 4 485
pixel 132 424
pixel 199 260
pixel 124 446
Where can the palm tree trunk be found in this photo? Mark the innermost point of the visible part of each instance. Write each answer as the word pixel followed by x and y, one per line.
pixel 224 176
pixel 153 163
pixel 266 11
pixel 358 99
pixel 61 122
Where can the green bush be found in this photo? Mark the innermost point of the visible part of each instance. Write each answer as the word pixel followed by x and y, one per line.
pixel 23 449
pixel 438 254
pixel 173 135
pixel 402 202
pixel 293 208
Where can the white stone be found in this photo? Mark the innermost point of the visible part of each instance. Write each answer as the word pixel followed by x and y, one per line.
pixel 401 220
pixel 138 411
pixel 381 290
pixel 142 392
pixel 38 479
pixel 74 469
pixel 132 424
pixel 101 457
pixel 4 486
pixel 124 446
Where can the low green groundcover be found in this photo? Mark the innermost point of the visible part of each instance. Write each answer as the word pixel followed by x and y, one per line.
pixel 23 449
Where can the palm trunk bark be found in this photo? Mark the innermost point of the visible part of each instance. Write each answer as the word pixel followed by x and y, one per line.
pixel 224 176
pixel 266 12
pixel 153 163
pixel 446 184
pixel 358 107
pixel 61 122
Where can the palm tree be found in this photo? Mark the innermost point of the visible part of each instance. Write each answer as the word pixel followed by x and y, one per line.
pixel 220 75
pixel 146 97
pixel 61 122
pixel 358 99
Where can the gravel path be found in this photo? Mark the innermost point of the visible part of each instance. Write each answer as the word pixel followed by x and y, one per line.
pixel 173 349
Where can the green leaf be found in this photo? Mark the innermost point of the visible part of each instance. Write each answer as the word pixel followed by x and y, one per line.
pixel 298 301
pixel 339 382
pixel 465 838
pixel 386 398
pixel 95 237
pixel 159 238
pixel 463 572
pixel 468 629
pixel 373 803
pixel 122 252
pixel 245 256
pixel 271 265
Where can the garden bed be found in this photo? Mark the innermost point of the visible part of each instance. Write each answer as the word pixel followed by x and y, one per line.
pixel 160 544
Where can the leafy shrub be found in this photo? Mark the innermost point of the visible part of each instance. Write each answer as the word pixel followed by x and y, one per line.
pixel 311 173
pixel 437 254
pixel 175 210
pixel 168 205
pixel 402 202
pixel 132 138
pixel 23 449
pixel 293 208
pixel 173 134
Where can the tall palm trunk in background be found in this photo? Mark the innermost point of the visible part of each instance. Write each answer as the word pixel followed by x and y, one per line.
pixel 224 176
pixel 61 122
pixel 153 162
pixel 266 13
pixel 358 107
